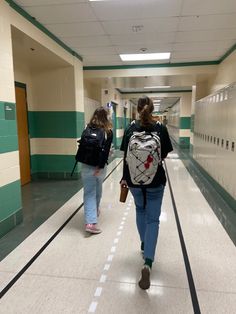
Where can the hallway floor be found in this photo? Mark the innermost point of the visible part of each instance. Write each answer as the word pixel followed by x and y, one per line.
pixel 40 199
pixel 79 273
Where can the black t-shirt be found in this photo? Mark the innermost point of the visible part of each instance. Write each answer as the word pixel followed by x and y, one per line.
pixel 166 147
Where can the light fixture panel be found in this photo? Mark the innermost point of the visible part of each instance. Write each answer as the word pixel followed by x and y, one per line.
pixel 145 56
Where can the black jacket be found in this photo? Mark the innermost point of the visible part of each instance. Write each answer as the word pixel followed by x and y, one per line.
pixel 166 147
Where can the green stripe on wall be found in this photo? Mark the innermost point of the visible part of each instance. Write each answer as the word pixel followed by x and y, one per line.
pixel 119 123
pixel 155 65
pixel 10 196
pixel 10 222
pixel 8 130
pixel 52 163
pixel 185 122
pixel 184 142
pixel 56 124
pixel 118 141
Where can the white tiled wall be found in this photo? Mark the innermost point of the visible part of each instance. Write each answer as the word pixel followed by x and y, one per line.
pixel 174 114
pixel 54 90
pixel 173 121
pixel 9 168
pixel 52 146
pixel 90 106
pixel 67 84
pixel 7 92
pixel 215 136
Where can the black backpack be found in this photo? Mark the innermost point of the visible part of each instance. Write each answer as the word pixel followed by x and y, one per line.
pixel 91 146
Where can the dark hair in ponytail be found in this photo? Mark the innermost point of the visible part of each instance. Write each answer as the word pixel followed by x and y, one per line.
pixel 145 109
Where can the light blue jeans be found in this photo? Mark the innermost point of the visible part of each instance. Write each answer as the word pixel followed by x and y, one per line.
pixel 147 218
pixel 92 191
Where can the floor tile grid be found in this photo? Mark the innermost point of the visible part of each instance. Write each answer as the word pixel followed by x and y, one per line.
pixel 47 263
pixel 45 266
pixel 168 275
pixel 211 253
pixel 18 258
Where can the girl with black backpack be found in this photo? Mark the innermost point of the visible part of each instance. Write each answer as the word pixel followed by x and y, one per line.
pixel 93 154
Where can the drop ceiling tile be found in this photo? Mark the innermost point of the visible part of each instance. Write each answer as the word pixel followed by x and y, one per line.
pixel 206 7
pixel 146 26
pixel 76 29
pixel 133 9
pixel 219 46
pixel 207 22
pixel 195 59
pixel 96 51
pixel 151 48
pixel 102 59
pixel 87 41
pixel 46 2
pixel 206 35
pixel 195 54
pixel 101 63
pixel 70 13
pixel 142 39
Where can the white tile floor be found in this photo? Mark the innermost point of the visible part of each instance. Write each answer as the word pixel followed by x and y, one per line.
pixel 78 273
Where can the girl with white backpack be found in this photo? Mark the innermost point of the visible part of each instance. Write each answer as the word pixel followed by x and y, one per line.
pixel 145 144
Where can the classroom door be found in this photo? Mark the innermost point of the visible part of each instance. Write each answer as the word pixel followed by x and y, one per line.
pixel 23 134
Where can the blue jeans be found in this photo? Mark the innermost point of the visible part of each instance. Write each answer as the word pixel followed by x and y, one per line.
pixel 92 191
pixel 147 218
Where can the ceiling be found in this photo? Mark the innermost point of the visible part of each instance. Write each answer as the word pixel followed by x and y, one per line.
pixel 161 104
pixel 192 30
pixel 31 53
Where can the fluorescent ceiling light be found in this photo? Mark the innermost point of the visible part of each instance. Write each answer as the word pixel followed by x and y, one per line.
pixel 145 56
pixel 150 87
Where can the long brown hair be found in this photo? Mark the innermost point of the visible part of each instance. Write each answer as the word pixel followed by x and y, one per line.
pixel 100 119
pixel 145 109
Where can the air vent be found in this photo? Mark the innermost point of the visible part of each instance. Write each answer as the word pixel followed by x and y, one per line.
pixel 137 28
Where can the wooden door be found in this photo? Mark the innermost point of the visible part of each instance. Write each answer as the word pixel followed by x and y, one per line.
pixel 23 134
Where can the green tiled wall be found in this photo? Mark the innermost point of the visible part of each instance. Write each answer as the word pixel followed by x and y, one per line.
pixel 10 206
pixel 184 142
pixel 119 123
pixel 55 124
pixel 8 130
pixel 118 141
pixel 53 166
pixel 185 122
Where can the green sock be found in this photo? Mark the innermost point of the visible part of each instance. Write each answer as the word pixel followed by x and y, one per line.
pixel 148 262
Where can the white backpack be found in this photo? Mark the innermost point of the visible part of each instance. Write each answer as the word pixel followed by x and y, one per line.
pixel 143 157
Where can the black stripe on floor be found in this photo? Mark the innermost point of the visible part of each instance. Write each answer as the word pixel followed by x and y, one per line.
pixel 33 259
pixel 195 303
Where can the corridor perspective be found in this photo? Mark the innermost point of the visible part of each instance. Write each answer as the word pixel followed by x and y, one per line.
pixel 60 61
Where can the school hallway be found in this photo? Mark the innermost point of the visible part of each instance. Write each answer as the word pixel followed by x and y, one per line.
pixel 61 269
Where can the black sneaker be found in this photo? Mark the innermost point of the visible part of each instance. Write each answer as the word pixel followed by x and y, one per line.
pixel 144 282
